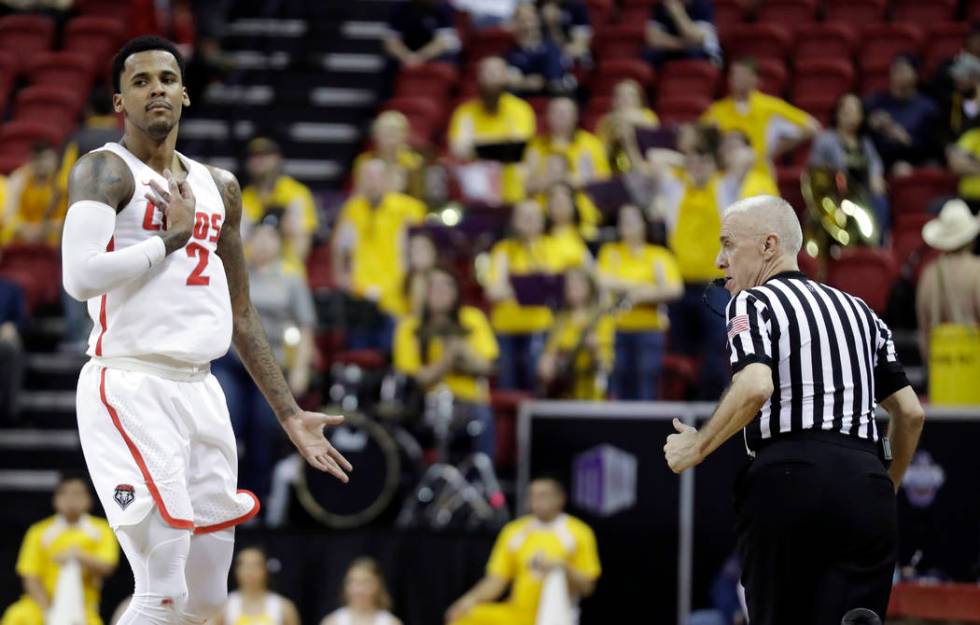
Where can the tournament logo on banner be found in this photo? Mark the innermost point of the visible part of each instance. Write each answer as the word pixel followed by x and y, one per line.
pixel 604 480
pixel 923 480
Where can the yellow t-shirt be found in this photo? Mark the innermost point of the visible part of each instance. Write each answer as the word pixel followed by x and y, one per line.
pixel 408 357
pixel 286 192
pixel 565 337
pixel 758 183
pixel 513 120
pixel 651 264
pixel 693 216
pixel 587 161
pixel 565 538
pixel 540 256
pixel 570 247
pixel 970 143
pixel 760 119
pixel 48 538
pixel 376 237
pixel 27 201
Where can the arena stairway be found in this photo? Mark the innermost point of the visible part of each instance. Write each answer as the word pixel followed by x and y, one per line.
pixel 307 73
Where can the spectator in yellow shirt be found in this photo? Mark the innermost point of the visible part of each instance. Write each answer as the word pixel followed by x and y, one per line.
pixel 422 259
pixel 453 346
pixel 738 159
pixel 578 355
pixel 526 551
pixel 520 329
pixel 964 159
pixel 270 189
pixel 493 117
pixel 389 138
pixel 691 202
pixel 582 151
pixel 71 534
pixel 564 219
pixel 369 250
pixel 35 199
pixel 617 128
pixel 774 127
pixel 644 276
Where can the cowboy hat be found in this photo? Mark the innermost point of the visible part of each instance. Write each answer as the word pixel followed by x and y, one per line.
pixel 954 228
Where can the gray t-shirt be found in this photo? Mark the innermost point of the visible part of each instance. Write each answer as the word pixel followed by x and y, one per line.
pixel 282 300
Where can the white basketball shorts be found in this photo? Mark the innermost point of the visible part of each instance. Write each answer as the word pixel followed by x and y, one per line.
pixel 152 442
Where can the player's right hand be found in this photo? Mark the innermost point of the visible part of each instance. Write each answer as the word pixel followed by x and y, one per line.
pixel 177 202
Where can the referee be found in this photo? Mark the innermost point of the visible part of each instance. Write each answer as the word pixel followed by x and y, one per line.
pixel 815 507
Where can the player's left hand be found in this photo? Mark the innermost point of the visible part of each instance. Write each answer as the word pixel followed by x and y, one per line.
pixel 305 430
pixel 683 448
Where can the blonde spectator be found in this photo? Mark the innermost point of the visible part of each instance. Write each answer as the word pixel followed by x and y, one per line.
pixel 773 126
pixel 369 248
pixel 389 136
pixel 617 128
pixel 253 603
pixel 35 199
pixel 365 597
pixel 580 150
pixel 578 355
pixel 71 535
pixel 495 116
pixel 520 329
pixel 645 277
pixel 270 189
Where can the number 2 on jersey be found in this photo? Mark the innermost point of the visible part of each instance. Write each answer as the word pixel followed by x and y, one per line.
pixel 196 278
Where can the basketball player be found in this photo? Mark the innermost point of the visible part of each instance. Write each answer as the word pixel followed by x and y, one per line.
pixel 152 243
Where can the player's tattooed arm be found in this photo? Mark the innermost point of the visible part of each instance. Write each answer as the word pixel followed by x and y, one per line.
pixel 101 176
pixel 248 334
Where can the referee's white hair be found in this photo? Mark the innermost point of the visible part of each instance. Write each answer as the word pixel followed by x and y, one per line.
pixel 771 214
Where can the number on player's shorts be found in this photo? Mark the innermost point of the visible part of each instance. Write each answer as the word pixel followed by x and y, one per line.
pixel 202 253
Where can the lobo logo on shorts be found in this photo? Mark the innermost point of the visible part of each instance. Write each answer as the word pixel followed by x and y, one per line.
pixel 125 494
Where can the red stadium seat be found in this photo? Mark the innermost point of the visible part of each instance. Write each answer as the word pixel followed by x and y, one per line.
pixel 865 272
pixel 423 114
pixel 789 13
pixel 49 104
pixel 972 10
pixel 874 79
pixel 319 272
pixel 881 42
pixel 824 41
pixel 772 76
pixel 788 179
pixel 36 269
pixel 923 11
pixel 809 265
pixel 757 40
pixel 17 137
pixel 907 243
pixel 621 41
pixel 694 78
pixel 598 106
pixel 97 37
pixel 728 14
pixel 943 42
pixel 611 71
pixel 858 13
pixel 829 77
pixel 820 105
pixel 489 42
pixel 24 36
pixel 678 377
pixel 432 80
pixel 681 108
pixel 68 70
pixel 599 12
pixel 913 193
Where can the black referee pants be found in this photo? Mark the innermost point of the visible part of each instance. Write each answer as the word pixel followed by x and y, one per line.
pixel 817 531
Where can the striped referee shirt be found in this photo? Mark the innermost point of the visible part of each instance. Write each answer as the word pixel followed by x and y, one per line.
pixel 832 358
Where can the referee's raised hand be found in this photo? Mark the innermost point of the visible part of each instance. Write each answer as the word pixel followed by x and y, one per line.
pixel 683 449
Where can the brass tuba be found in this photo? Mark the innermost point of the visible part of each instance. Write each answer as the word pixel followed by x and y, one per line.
pixel 839 211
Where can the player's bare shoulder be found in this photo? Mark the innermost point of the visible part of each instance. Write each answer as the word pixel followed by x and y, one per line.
pixel 101 176
pixel 231 192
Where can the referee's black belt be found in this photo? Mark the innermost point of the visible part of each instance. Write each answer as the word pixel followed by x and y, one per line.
pixel 821 436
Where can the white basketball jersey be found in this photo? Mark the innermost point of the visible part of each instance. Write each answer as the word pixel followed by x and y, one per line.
pixel 181 308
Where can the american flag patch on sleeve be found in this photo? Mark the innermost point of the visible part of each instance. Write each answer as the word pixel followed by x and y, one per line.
pixel 738 324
